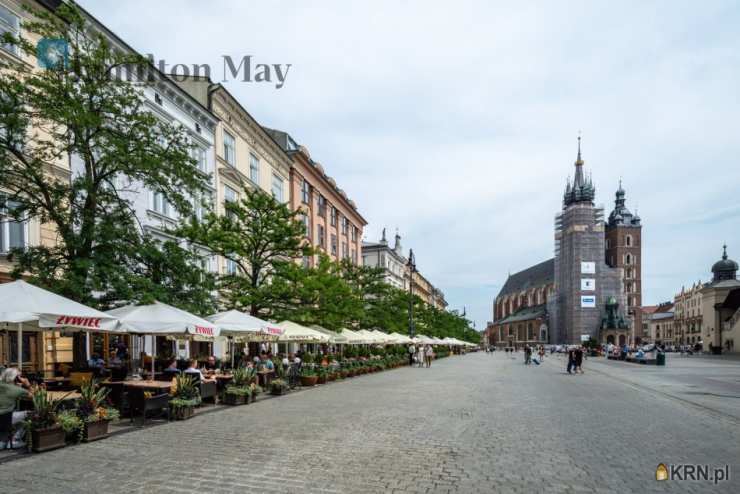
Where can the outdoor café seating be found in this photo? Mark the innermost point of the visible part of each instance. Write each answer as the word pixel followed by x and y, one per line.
pixel 208 389
pixel 140 403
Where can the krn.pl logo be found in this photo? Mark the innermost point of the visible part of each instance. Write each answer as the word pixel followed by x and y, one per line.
pixel 661 473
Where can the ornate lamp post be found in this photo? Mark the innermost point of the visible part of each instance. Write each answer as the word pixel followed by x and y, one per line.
pixel 411 265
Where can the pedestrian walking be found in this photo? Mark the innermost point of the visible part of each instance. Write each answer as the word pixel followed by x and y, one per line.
pixel 420 356
pixel 542 353
pixel 571 360
pixel 428 355
pixel 412 351
pixel 578 360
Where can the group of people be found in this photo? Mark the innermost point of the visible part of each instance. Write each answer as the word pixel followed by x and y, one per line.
pixel 529 350
pixel 575 360
pixel 421 355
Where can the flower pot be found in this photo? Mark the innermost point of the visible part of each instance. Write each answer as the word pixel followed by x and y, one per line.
pixel 321 379
pixel 182 413
pixel 277 391
pixel 344 374
pixel 96 430
pixel 332 377
pixel 234 399
pixel 47 439
pixel 309 380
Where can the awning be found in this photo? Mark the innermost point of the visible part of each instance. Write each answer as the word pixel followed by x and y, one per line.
pixel 245 327
pixel 22 302
pixel 335 337
pixel 354 337
pixel 294 332
pixel 162 319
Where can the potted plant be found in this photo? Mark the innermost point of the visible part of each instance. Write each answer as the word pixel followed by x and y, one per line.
pixel 238 391
pixel 93 412
pixel 322 375
pixel 308 376
pixel 256 390
pixel 185 399
pixel 72 425
pixel 42 425
pixel 278 386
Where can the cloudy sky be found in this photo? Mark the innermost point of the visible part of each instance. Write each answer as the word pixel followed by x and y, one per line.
pixel 457 123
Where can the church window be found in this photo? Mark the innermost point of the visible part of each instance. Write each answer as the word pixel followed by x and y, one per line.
pixel 608 244
pixel 628 240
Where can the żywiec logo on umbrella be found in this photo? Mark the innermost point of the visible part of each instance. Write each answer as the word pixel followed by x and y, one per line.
pixel 52 53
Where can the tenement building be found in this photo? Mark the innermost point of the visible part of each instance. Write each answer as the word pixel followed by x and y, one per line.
pixel 687 318
pixel 581 293
pixel 720 299
pixel 331 219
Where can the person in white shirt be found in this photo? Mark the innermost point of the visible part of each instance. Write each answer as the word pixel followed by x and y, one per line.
pixel 193 369
pixel 412 351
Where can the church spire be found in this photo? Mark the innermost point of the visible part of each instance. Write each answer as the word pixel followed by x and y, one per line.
pixel 583 190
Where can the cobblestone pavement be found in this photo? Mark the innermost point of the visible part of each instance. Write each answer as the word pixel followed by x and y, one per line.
pixel 476 423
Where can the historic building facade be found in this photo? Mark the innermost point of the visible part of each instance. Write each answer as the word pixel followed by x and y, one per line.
pixel 243 154
pixel 687 318
pixel 661 327
pixel 520 309
pixel 581 292
pixel 332 220
pixel 624 250
pixel 720 304
pixel 394 263
pixel 391 259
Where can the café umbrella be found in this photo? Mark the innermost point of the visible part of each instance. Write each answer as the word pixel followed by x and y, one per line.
pixel 238 325
pixel 22 302
pixel 160 319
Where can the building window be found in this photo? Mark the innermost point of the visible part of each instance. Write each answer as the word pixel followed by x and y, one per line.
pixel 321 237
pixel 160 204
pixel 333 215
pixel 199 155
pixel 354 256
pixel 628 240
pixel 306 261
pixel 229 148
pixel 354 233
pixel 322 205
pixel 305 192
pixel 345 225
pixel 9 23
pixel 231 267
pixel 345 250
pixel 12 233
pixel 608 244
pixel 230 195
pixel 333 244
pixel 277 187
pixel 254 168
pixel 307 225
pixel 628 259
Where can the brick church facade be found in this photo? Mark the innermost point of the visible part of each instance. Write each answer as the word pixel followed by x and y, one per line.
pixel 590 288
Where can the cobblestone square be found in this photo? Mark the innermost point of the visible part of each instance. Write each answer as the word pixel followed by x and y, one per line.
pixel 476 423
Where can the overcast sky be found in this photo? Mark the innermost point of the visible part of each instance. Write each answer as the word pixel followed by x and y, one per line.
pixel 456 122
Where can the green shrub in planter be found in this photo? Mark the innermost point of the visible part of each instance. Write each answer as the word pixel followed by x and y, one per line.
pixel 278 387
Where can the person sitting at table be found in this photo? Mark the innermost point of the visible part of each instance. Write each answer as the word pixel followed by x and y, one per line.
pixel 171 370
pixel 114 360
pixel 96 362
pixel 211 363
pixel 13 387
pixel 265 363
pixel 193 369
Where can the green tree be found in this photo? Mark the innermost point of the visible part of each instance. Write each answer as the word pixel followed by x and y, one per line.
pixel 262 237
pixel 318 295
pixel 79 115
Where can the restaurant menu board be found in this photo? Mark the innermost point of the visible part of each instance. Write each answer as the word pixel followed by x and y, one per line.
pixel 588 268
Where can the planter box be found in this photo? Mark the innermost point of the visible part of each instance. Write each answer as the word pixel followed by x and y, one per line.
pixel 96 430
pixel 309 380
pixel 232 399
pixel 181 413
pixel 277 391
pixel 321 380
pixel 47 439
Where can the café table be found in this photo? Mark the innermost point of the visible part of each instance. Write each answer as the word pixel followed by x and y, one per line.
pixel 54 382
pixel 263 377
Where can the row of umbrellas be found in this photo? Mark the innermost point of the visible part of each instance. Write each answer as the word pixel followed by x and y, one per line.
pixel 22 302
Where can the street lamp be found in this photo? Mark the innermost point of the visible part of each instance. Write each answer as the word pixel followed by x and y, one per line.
pixel 411 264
